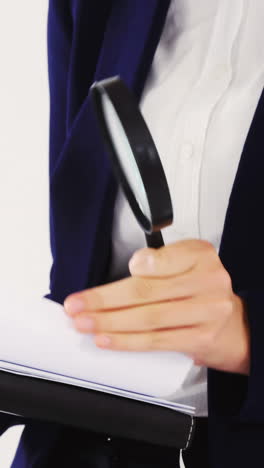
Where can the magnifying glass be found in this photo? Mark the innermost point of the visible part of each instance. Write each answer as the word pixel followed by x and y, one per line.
pixel 134 156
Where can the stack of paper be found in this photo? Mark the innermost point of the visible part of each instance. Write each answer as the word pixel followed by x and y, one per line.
pixel 37 339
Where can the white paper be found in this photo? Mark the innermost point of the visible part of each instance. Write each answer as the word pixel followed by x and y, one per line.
pixel 37 339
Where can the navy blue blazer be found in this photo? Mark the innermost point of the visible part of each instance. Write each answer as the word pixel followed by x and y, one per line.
pixel 90 41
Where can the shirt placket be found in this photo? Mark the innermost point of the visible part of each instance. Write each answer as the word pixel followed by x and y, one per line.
pixel 194 121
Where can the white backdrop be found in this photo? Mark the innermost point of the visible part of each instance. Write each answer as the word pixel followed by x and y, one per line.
pixel 24 243
pixel 25 257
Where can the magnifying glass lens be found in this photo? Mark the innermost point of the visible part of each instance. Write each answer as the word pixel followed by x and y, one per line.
pixel 125 155
pixel 134 156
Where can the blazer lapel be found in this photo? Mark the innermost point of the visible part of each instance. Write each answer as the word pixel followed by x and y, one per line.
pixel 243 231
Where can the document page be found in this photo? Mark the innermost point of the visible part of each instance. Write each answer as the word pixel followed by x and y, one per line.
pixel 38 339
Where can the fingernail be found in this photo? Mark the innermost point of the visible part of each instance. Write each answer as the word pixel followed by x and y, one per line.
pixel 74 306
pixel 86 323
pixel 139 261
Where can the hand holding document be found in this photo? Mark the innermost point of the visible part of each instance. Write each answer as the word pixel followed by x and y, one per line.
pixel 37 339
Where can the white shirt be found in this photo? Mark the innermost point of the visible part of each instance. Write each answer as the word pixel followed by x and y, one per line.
pixel 199 101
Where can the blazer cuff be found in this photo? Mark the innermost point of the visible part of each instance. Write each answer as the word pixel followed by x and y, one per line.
pixel 237 396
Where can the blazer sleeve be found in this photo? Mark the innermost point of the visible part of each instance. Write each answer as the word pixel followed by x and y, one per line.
pixel 76 31
pixel 60 32
pixel 75 34
pixel 237 396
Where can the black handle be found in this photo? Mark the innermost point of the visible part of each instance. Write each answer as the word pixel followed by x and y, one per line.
pixel 154 240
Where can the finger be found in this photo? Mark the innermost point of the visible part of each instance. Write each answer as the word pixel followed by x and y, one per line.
pixel 172 259
pixel 133 291
pixel 181 340
pixel 157 316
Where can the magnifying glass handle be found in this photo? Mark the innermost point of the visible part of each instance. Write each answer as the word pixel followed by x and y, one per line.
pixel 154 240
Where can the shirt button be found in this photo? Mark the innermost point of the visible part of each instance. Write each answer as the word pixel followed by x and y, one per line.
pixel 186 151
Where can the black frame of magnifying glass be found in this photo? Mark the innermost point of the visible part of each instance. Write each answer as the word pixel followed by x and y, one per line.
pixel 143 149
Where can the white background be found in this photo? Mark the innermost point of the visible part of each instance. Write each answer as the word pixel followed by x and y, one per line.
pixel 25 257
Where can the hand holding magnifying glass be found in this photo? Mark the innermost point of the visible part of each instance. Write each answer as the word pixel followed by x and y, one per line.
pixel 182 299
